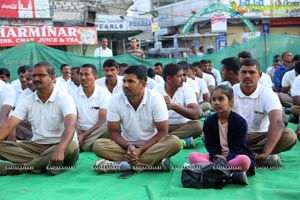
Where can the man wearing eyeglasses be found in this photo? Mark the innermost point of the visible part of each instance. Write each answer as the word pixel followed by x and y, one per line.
pixel 52 115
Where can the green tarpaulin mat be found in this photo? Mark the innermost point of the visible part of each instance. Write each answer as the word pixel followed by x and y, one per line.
pixel 83 183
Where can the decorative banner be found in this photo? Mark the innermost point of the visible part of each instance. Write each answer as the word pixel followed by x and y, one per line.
pixel 24 9
pixel 218 23
pixel 48 35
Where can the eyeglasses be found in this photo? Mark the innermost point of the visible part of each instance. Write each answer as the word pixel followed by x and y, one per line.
pixel 40 76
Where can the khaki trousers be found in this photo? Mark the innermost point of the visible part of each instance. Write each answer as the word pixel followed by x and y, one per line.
pixel 285 99
pixel 101 132
pixel 36 155
pixel 256 141
pixel 165 147
pixel 192 128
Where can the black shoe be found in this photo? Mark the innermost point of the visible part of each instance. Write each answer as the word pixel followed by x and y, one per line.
pixel 238 178
pixel 293 119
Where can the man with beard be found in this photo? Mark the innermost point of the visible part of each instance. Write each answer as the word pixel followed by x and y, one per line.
pixel 260 106
pixel 91 101
pixel 137 122
pixel 52 115
pixel 112 81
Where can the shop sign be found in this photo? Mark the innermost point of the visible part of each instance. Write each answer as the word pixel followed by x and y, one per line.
pixel 48 35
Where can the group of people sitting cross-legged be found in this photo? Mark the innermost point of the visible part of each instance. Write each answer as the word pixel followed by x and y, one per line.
pixel 133 125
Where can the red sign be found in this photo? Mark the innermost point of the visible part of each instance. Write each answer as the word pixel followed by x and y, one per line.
pixel 24 9
pixel 48 35
pixel 285 22
pixel 9 9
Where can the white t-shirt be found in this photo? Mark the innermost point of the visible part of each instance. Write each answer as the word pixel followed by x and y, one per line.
pixel 137 126
pixel 151 83
pixel 72 87
pixel 183 96
pixel 18 90
pixel 158 79
pixel 103 52
pixel 288 78
pixel 217 75
pixel 193 84
pixel 46 119
pixel 270 72
pixel 88 108
pixel 61 81
pixel 295 89
pixel 226 83
pixel 118 88
pixel 265 80
pixel 255 108
pixel 209 79
pixel 23 94
pixel 7 95
pixel 202 88
pixel 16 82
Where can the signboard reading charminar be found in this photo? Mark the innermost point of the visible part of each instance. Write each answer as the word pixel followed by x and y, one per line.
pixel 48 35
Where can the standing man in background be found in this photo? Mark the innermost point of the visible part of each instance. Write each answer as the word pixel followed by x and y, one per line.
pixel 103 50
pixel 135 50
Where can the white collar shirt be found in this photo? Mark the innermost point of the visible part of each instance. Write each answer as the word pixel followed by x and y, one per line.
pixel 46 119
pixel 118 88
pixel 255 108
pixel 137 126
pixel 88 108
pixel 183 97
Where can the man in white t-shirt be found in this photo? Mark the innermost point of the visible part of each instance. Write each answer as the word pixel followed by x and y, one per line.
pixel 52 115
pixel 137 122
pixel 215 72
pixel 158 68
pixel 184 111
pixel 202 93
pixel 209 79
pixel 75 82
pixel 65 78
pixel 91 102
pixel 103 50
pixel 111 81
pixel 261 108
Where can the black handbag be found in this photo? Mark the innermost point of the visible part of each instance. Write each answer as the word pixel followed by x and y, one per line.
pixel 215 175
